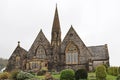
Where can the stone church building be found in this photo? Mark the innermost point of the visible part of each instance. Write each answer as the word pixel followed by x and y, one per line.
pixel 71 52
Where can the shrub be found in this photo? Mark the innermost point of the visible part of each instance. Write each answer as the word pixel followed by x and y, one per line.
pixel 42 71
pixel 67 74
pixel 31 72
pixel 24 75
pixel 4 75
pixel 115 71
pixel 101 72
pixel 14 74
pixel 118 77
pixel 81 74
pixel 119 70
pixel 110 71
pixel 106 66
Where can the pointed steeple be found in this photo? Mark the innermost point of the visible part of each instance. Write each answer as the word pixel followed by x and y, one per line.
pixel 56 23
pixel 56 31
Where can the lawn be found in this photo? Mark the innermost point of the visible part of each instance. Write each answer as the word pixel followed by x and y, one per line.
pixel 55 76
pixel 109 77
pixel 91 76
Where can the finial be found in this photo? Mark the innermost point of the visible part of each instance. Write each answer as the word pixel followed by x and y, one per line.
pixel 106 46
pixel 71 26
pixel 18 43
pixel 56 8
pixel 40 30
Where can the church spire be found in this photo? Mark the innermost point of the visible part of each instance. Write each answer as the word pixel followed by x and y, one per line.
pixel 56 23
pixel 56 31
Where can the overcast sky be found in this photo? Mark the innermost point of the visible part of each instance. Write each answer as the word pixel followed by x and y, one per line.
pixel 97 22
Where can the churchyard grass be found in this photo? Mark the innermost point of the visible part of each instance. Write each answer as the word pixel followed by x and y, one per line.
pixel 91 76
pixel 110 77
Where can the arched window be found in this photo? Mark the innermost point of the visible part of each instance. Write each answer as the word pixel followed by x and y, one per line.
pixel 40 53
pixel 17 60
pixel 71 54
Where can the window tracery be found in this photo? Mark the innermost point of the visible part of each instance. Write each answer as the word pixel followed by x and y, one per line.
pixel 71 54
pixel 41 52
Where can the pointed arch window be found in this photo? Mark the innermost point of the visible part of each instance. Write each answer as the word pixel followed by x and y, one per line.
pixel 17 59
pixel 40 53
pixel 71 54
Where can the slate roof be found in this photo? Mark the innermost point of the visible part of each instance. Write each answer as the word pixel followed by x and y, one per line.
pixel 99 52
